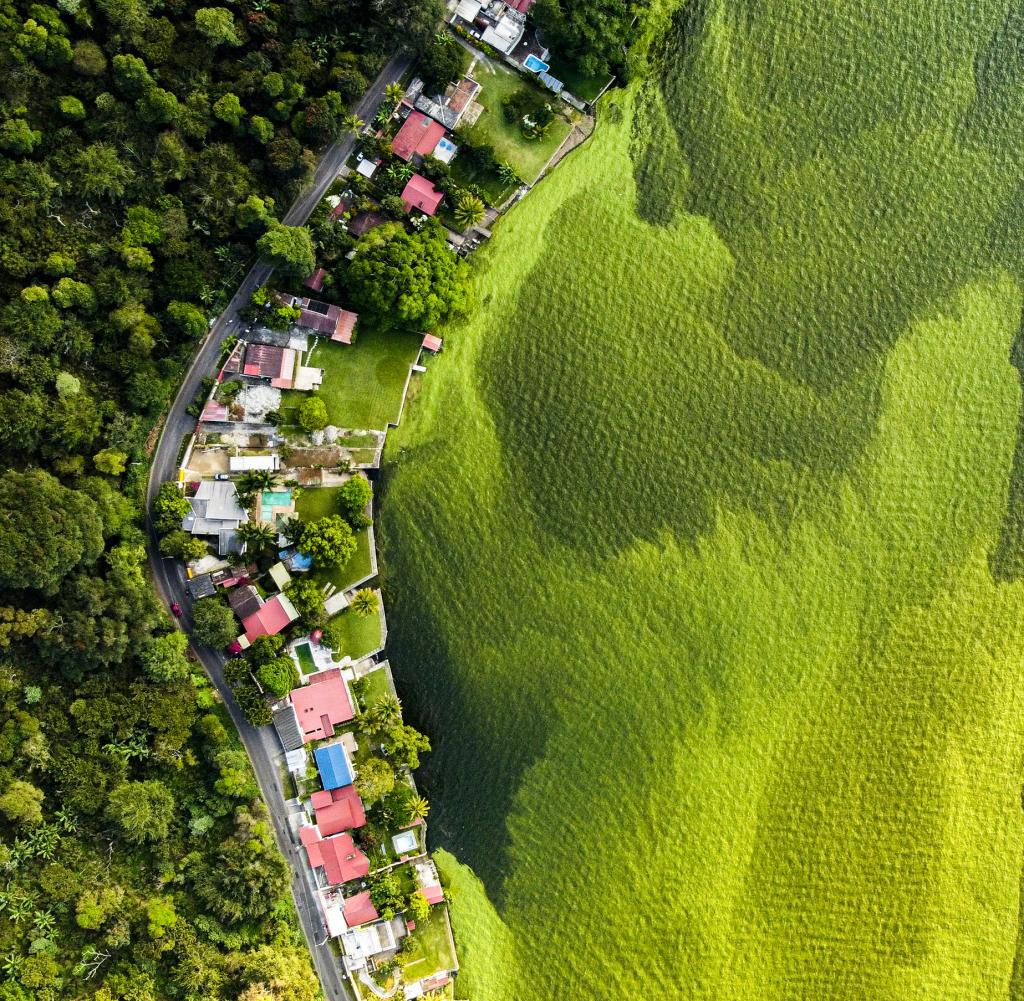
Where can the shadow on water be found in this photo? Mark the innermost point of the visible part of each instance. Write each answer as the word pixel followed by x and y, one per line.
pixel 473 771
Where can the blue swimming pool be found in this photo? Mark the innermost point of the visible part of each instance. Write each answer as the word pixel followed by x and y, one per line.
pixel 535 65
pixel 271 499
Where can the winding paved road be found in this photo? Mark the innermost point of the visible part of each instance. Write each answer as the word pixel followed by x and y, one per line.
pixel 169 574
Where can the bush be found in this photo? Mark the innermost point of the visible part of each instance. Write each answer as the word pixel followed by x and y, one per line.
pixel 313 414
pixel 215 624
pixel 354 496
pixel 278 676
pixel 253 705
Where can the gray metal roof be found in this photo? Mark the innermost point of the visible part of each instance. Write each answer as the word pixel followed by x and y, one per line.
pixel 287 725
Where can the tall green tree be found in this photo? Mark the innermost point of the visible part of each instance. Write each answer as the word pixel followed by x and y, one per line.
pixel 142 810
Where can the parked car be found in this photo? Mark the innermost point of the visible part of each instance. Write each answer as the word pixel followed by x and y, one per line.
pixel 223 476
pixel 176 609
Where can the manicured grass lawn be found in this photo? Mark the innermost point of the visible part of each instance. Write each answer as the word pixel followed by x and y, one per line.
pixel 363 382
pixel 317 502
pixel 360 635
pixel 526 155
pixel 429 948
pixel 376 686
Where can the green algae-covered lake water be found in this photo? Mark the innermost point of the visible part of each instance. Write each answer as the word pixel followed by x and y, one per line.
pixel 703 534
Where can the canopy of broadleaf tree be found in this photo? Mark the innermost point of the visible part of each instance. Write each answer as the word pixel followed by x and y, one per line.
pixel 46 530
pixel 408 279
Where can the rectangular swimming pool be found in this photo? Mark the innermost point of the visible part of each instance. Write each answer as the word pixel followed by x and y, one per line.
pixel 305 658
pixel 270 499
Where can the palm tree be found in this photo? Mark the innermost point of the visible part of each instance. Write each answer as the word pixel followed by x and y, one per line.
pixel 393 93
pixel 384 713
pixel 255 480
pixel 365 602
pixel 257 535
pixel 352 124
pixel 418 808
pixel 469 210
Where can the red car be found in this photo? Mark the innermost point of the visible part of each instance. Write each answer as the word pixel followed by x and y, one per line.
pixel 176 609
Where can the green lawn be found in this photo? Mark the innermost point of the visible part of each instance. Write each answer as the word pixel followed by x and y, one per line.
pixel 429 948
pixel 317 502
pixel 494 188
pixel 360 635
pixel 376 685
pixel 527 156
pixel 363 382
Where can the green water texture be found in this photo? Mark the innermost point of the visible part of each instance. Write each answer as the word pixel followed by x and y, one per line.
pixel 703 537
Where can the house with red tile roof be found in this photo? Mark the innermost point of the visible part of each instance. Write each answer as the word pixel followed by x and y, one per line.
pixel 417 136
pixel 338 856
pixel 271 617
pixel 322 705
pixel 421 194
pixel 338 810
pixel 359 910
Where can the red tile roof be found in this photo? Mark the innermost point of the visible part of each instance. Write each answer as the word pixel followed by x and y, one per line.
pixel 434 893
pixel 338 810
pixel 418 134
pixel 214 411
pixel 270 619
pixel 322 704
pixel 421 194
pixel 346 324
pixel 341 859
pixel 316 280
pixel 358 910
pixel 522 6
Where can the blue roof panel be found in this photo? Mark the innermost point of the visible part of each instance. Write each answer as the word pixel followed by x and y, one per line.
pixel 334 766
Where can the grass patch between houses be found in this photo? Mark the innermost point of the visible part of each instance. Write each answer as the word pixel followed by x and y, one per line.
pixel 361 635
pixel 318 502
pixel 429 949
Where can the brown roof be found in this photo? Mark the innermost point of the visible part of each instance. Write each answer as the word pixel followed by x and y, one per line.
pixel 244 601
pixel 264 360
pixel 463 95
pixel 364 222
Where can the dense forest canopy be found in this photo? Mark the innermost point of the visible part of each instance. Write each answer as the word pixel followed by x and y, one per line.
pixel 144 149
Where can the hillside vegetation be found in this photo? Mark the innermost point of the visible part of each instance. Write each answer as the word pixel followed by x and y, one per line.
pixel 145 149
pixel 717 608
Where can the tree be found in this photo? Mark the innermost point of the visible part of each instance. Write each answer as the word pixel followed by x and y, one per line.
pixel 169 508
pixel 419 907
pixel 186 319
pixel 237 671
pixel 229 109
pixel 264 649
pixel 354 496
pixel 409 279
pixel 418 808
pixel 278 676
pixel 110 461
pixel 215 624
pixel 440 63
pixel 289 249
pixel 183 546
pixel 365 603
pixel 253 705
pixel 385 713
pixel 163 657
pixel 313 414
pixel 308 598
pixel 254 480
pixel 142 810
pixel 257 535
pixel 404 745
pixel 217 25
pixel 47 530
pixel 469 210
pixel 328 540
pixel 17 136
pixel 352 124
pixel 375 780
pixel 386 894
pixel 22 804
